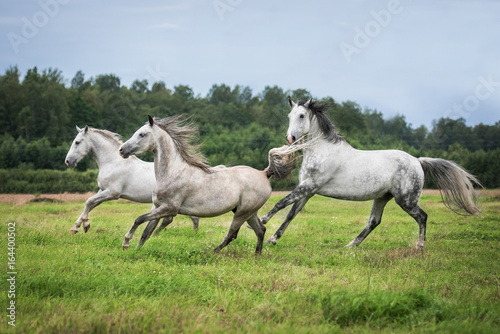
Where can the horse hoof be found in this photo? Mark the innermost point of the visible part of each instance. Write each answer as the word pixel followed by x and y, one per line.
pixel 86 228
pixel 264 220
pixel 125 246
pixel 73 231
pixel 271 240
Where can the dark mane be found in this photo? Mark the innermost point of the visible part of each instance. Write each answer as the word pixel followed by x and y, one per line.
pixel 327 128
pixel 114 137
pixel 183 134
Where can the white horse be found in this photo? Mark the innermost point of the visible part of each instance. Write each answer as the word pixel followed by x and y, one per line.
pixel 332 168
pixel 132 179
pixel 187 185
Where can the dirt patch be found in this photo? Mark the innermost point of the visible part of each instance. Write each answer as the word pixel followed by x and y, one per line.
pixel 21 199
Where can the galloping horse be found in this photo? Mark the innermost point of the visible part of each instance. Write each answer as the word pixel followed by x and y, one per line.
pixel 133 179
pixel 185 183
pixel 332 168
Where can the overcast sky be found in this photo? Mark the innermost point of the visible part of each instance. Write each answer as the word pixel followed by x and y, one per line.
pixel 422 59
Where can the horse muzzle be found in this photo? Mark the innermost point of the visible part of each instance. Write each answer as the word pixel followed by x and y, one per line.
pixel 123 152
pixel 71 163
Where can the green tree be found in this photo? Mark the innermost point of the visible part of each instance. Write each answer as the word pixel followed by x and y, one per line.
pixel 108 82
pixel 10 100
pixel 78 80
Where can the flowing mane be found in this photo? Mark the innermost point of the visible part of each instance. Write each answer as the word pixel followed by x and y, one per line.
pixel 182 134
pixel 327 128
pixel 114 137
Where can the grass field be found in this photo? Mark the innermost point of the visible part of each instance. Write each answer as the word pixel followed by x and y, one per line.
pixel 307 283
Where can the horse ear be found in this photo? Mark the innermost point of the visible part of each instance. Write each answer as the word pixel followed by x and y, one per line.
pixel 151 120
pixel 86 128
pixel 291 103
pixel 308 103
pixel 78 129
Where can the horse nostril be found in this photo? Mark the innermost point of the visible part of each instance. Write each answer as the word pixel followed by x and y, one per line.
pixel 293 138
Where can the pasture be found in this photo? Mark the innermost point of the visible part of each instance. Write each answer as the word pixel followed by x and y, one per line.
pixel 307 283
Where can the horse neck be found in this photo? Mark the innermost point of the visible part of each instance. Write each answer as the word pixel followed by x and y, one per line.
pixel 318 142
pixel 314 130
pixel 105 151
pixel 167 159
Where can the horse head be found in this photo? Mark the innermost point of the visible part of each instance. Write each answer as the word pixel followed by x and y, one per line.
pixel 308 118
pixel 299 124
pixel 80 147
pixel 141 141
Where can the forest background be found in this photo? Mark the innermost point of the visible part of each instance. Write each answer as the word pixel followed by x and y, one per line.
pixel 38 114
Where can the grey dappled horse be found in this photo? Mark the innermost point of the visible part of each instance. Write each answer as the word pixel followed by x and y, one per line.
pixel 132 179
pixel 187 185
pixel 332 168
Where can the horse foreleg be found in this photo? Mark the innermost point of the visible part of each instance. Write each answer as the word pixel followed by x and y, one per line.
pixel 374 220
pixel 289 217
pixel 90 204
pixel 297 194
pixel 232 233
pixel 160 212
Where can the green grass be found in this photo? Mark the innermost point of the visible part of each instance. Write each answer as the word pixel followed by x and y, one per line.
pixel 307 283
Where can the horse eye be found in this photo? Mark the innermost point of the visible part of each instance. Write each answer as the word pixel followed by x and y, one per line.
pixel 77 143
pixel 142 135
pixel 301 116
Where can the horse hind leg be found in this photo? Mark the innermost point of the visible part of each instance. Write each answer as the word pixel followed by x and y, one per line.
pixel 148 231
pixel 196 222
pixel 374 220
pixel 421 218
pixel 164 223
pixel 259 229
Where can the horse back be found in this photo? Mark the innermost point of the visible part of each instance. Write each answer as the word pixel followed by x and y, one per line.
pixel 365 175
pixel 202 194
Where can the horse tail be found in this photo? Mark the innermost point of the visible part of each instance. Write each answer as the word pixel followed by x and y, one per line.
pixel 281 161
pixel 455 184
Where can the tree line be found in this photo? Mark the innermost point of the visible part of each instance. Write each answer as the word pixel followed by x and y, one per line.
pixel 38 114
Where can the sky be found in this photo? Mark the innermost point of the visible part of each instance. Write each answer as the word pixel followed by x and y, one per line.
pixel 421 59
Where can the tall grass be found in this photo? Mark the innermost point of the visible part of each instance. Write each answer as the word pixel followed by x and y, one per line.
pixel 307 283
